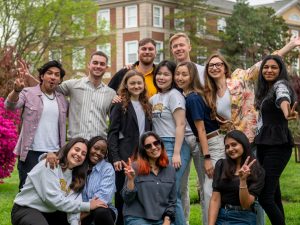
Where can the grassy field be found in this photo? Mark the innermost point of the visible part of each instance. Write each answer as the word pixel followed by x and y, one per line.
pixel 290 188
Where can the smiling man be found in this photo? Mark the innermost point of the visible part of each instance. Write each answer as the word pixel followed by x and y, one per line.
pixel 145 65
pixel 43 118
pixel 90 100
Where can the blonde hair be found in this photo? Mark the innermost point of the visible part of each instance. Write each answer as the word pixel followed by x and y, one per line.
pixel 178 35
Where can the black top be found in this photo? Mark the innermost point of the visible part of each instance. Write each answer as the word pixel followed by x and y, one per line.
pixel 229 189
pixel 273 128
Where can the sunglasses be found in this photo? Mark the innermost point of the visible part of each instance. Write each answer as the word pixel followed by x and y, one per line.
pixel 156 144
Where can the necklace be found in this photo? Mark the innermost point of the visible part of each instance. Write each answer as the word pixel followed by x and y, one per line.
pixel 49 97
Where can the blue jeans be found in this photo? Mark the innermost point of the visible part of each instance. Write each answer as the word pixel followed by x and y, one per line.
pixel 132 220
pixel 185 158
pixel 233 217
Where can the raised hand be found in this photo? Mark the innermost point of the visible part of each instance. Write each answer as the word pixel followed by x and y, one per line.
pixel 292 113
pixel 245 170
pixel 128 170
pixel 19 83
pixel 52 160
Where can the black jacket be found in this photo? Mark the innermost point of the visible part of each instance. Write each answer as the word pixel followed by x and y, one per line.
pixel 120 148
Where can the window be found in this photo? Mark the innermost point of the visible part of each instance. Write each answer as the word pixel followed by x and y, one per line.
pixel 106 48
pixel 157 16
pixel 55 54
pixel 131 52
pixel 160 52
pixel 103 20
pixel 294 17
pixel 201 25
pixel 295 64
pixel 78 58
pixel 131 16
pixel 178 20
pixel 295 33
pixel 221 24
pixel 78 25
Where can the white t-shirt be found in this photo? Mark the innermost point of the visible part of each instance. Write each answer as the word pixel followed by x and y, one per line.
pixel 140 114
pixel 46 138
pixel 224 105
pixel 163 107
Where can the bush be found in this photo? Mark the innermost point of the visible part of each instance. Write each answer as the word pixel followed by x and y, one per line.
pixel 9 122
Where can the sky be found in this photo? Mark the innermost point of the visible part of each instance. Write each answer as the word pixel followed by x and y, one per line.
pixel 257 2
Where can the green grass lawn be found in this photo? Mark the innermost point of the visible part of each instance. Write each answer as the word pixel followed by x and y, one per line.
pixel 290 188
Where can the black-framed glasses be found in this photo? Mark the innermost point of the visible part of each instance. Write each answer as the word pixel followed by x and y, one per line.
pixel 217 65
pixel 156 143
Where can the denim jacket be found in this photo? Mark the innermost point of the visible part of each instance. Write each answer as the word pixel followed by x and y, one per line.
pixel 32 104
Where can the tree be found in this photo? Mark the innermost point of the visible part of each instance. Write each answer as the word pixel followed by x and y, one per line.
pixel 31 28
pixel 251 33
pixel 188 17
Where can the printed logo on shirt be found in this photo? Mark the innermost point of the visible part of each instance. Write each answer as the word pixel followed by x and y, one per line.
pixel 63 186
pixel 157 110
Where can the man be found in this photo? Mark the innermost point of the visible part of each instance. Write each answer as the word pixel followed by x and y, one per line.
pixel 90 100
pixel 180 47
pixel 145 65
pixel 44 117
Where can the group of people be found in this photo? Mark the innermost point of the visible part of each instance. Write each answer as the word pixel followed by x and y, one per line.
pixel 160 117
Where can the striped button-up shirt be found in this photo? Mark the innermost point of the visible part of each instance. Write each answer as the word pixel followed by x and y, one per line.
pixel 89 107
pixel 101 183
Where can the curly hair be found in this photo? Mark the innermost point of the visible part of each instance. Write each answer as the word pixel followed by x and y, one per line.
pixel 125 94
pixel 210 87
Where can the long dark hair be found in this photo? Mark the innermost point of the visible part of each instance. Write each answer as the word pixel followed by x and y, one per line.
pixel 230 164
pixel 142 159
pixel 79 172
pixel 171 66
pixel 263 86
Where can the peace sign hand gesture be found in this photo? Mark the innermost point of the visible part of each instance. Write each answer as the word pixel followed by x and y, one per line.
pixel 245 171
pixel 292 113
pixel 19 83
pixel 128 170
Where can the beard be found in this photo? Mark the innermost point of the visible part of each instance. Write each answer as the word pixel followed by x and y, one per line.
pixel 147 60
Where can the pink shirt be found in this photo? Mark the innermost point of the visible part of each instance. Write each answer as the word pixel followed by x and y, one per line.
pixel 32 104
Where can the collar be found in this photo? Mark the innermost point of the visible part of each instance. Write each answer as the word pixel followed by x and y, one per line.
pixel 150 72
pixel 87 81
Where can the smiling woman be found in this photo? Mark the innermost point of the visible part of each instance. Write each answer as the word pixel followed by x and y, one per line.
pixel 50 195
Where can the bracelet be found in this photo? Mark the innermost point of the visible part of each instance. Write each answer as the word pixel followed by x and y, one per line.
pixel 245 187
pixel 17 91
pixel 207 156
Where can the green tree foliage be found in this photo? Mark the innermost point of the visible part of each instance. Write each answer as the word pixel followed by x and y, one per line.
pixel 251 33
pixel 31 28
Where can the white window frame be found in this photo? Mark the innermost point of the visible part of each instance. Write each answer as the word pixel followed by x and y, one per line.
pixel 160 52
pixel 106 48
pixel 103 16
pixel 55 52
pixel 201 27
pixel 133 15
pixel 221 24
pixel 295 33
pixel 134 51
pixel 159 17
pixel 78 58
pixel 178 23
pixel 78 20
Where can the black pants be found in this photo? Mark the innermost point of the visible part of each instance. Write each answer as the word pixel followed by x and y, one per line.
pixel 22 215
pixel 25 167
pixel 100 216
pixel 273 159
pixel 120 180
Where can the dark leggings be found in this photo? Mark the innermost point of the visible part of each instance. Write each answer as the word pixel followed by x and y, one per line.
pixel 273 159
pixel 100 216
pixel 22 215
pixel 120 180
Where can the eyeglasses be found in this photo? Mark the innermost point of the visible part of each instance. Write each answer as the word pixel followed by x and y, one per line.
pixel 217 65
pixel 156 144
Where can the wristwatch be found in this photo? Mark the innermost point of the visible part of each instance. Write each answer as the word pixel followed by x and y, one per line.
pixel 207 156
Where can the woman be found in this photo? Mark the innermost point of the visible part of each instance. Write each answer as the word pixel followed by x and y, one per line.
pixel 150 190
pixel 128 120
pixel 199 117
pixel 168 116
pixel 48 195
pixel 237 182
pixel 274 140
pixel 100 183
